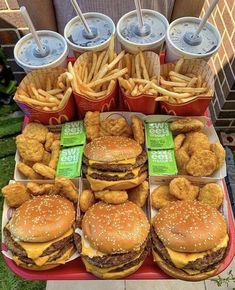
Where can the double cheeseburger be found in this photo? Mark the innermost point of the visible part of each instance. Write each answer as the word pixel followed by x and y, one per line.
pixel 189 240
pixel 114 239
pixel 114 162
pixel 40 234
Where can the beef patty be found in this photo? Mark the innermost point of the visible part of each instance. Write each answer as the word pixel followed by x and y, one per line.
pixel 102 175
pixel 204 264
pixel 16 249
pixel 107 261
pixel 140 160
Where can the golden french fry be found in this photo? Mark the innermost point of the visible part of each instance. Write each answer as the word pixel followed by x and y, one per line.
pixel 178 65
pixel 36 102
pixel 65 98
pixel 192 82
pixel 146 87
pixel 34 90
pixel 188 99
pixel 99 61
pixel 59 96
pixel 41 98
pixel 46 109
pixel 48 84
pixel 135 90
pixel 162 98
pixel 133 72
pixel 143 66
pixel 61 85
pixel 178 80
pixel 44 93
pixel 53 100
pixel 111 86
pixel 189 90
pixel 199 81
pixel 180 76
pixel 137 66
pixel 191 75
pixel 109 78
pixel 125 84
pixel 111 49
pixel 96 94
pixel 94 60
pixel 75 79
pixel 128 63
pixel 171 84
pixel 54 91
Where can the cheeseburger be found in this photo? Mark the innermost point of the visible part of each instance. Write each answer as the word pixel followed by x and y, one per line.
pixel 189 240
pixel 114 162
pixel 114 239
pixel 40 234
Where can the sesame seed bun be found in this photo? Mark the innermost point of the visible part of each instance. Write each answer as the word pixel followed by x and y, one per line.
pixel 112 148
pixel 115 228
pixel 42 219
pixel 190 226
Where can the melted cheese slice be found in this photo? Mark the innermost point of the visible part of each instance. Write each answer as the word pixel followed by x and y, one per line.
pixel 87 250
pixel 126 161
pixel 119 174
pixel 35 250
pixel 182 259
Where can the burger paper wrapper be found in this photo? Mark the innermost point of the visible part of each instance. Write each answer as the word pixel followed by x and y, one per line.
pixel 7 214
pixel 85 104
pixel 143 103
pixel 209 130
pixel 195 107
pixel 38 78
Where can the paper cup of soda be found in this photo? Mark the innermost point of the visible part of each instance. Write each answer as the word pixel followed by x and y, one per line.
pixel 36 99
pixel 197 104
pixel 28 57
pixel 143 102
pixel 86 101
pixel 150 37
pixel 179 43
pixel 101 26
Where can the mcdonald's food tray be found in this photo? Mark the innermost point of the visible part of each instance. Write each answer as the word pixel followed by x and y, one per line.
pixel 225 209
pixel 75 270
pixel 209 130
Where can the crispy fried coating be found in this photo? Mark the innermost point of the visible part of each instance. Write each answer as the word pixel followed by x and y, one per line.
pixel 202 163
pixel 114 127
pixel 55 152
pixel 68 189
pixel 186 125
pixel 138 129
pixel 92 124
pixel 198 141
pixel 29 149
pixel 182 158
pixel 161 197
pixel 112 196
pixel 178 141
pixel 183 189
pixel 46 158
pixel 44 170
pixel 15 194
pixel 86 200
pixel 219 151
pixel 28 171
pixel 35 131
pixel 211 194
pixel 50 137
pixel 139 194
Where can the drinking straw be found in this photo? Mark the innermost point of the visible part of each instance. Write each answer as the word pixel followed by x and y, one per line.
pixel 79 13
pixel 32 29
pixel 205 17
pixel 139 13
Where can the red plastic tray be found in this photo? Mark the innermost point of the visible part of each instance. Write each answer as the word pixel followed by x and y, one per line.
pixel 75 269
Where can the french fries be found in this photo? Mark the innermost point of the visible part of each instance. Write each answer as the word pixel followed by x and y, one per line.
pixel 95 73
pixel 138 68
pixel 45 90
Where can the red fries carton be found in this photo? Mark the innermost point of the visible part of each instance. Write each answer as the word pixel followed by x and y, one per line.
pixel 36 113
pixel 196 106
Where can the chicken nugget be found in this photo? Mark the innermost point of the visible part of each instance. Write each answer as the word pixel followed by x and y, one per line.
pixel 46 158
pixel 113 127
pixel 86 200
pixel 15 194
pixel 92 124
pixel 29 163
pixel 186 125
pixel 29 149
pixel 128 132
pixel 198 141
pixel 28 171
pixel 50 188
pixel 55 152
pixel 161 197
pixel 178 141
pixel 36 131
pixel 68 189
pixel 182 158
pixel 49 140
pixel 44 170
pixel 182 188
pixel 138 129
pixel 139 194
pixel 219 151
pixel 112 196
pixel 202 163
pixel 211 194
pixel 35 188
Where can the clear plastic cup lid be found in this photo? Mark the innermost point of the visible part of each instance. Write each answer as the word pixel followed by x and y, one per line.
pixel 28 53
pixel 101 31
pixel 154 28
pixel 181 36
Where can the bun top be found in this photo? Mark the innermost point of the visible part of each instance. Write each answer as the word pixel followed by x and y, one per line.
pixel 112 148
pixel 190 226
pixel 115 228
pixel 42 219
